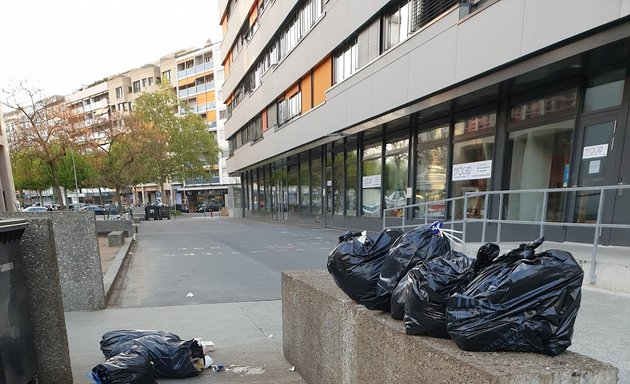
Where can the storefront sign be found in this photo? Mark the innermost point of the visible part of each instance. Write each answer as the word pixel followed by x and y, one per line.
pixel 594 151
pixel 372 181
pixel 472 171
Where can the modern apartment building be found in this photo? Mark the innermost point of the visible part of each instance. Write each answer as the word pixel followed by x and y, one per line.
pixel 339 109
pixel 7 200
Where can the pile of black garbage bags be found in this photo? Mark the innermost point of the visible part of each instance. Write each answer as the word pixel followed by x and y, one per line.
pixel 520 301
pixel 139 357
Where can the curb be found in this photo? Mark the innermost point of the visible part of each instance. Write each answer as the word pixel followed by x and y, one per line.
pixel 115 267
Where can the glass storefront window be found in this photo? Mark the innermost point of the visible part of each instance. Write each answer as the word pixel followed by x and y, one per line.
pixel 255 192
pixel 538 158
pixel 338 185
pixel 305 184
pixel 267 188
pixel 604 91
pixel 316 185
pixel 371 180
pixel 431 162
pixel 396 167
pixel 476 124
pixel 292 187
pixel 563 102
pixel 262 202
pixel 351 182
pixel 472 166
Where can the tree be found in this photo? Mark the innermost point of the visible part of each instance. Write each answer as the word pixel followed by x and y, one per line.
pixel 73 170
pixel 45 129
pixel 29 173
pixel 181 146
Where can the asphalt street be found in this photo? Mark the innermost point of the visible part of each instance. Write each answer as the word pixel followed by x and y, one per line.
pixel 222 260
pixel 216 260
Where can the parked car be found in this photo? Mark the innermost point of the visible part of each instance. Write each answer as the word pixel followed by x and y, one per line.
pixel 35 209
pixel 209 207
pixel 93 208
pixel 182 208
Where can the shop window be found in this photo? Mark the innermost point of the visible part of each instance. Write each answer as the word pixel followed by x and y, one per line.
pixel 292 187
pixel 262 196
pixel 472 172
pixel 255 191
pixel 431 161
pixel 351 182
pixel 338 184
pixel 267 179
pixel 538 158
pixel 316 185
pixel 560 103
pixel 604 91
pixel 371 180
pixel 396 174
pixel 305 184
pixel 481 123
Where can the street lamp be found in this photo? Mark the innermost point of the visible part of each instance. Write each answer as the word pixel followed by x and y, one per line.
pixel 76 184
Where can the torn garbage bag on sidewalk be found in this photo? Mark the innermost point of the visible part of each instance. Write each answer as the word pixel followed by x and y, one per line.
pixel 171 357
pixel 130 367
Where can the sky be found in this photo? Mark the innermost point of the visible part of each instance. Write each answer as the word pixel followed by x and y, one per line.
pixel 59 46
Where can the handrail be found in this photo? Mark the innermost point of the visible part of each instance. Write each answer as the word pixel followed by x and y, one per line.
pixel 488 216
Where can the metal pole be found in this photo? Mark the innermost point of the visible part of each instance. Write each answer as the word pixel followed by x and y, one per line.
pixel 76 184
pixel 543 214
pixel 593 277
pixel 500 216
pixel 485 217
pixel 464 214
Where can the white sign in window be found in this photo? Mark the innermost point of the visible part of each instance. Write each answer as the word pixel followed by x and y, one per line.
pixel 472 171
pixel 594 166
pixel 372 181
pixel 594 151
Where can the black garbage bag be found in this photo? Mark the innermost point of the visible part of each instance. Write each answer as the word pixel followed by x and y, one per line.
pixel 171 357
pixel 111 341
pixel 130 367
pixel 356 263
pixel 422 243
pixel 522 302
pixel 399 296
pixel 431 284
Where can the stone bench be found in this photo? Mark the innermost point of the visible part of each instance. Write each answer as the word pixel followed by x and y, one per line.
pixel 115 239
pixel 331 339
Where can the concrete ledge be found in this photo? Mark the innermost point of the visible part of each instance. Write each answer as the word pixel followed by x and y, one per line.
pixel 331 339
pixel 103 227
pixel 115 239
pixel 114 269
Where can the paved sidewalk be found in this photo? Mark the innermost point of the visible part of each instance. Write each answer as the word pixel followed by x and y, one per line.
pixel 248 338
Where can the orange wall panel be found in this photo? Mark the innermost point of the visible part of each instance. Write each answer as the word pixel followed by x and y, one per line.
pixel 202 98
pixel 295 88
pixel 305 86
pixel 211 115
pixel 210 96
pixel 186 81
pixel 322 80
pixel 264 120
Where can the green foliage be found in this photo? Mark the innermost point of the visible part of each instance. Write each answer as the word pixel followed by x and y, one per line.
pixel 180 146
pixel 29 172
pixel 66 169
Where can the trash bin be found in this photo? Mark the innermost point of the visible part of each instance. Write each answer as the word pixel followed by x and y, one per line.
pixel 17 344
pixel 165 212
pixel 151 212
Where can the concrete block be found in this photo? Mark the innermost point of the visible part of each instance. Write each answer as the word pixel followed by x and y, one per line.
pixel 331 339
pixel 115 239
pixel 47 311
pixel 78 258
pixel 103 227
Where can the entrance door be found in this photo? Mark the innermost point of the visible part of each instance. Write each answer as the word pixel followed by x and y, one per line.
pixel 599 163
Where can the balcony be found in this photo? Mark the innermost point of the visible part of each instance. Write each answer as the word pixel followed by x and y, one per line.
pixel 192 91
pixel 197 69
pixel 201 108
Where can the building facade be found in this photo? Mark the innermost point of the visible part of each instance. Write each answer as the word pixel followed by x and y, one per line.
pixel 340 109
pixel 8 202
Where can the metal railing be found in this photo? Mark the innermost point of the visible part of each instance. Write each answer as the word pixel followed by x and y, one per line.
pixel 414 214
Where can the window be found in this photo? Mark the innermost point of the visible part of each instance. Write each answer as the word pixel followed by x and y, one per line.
pixel 604 91
pixel 150 81
pixel 431 164
pixel 136 86
pixel 371 180
pixel 560 103
pixel 119 93
pixel 305 183
pixel 167 75
pixel 351 181
pixel 538 157
pixel 316 181
pixel 338 183
pixel 289 108
pixel 222 114
pixel 292 184
pixel 346 63
pixel 144 83
pixel 396 168
pixel 396 26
